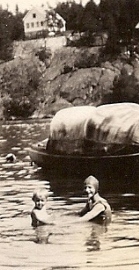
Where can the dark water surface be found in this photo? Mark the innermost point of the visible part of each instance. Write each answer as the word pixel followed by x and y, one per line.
pixel 66 244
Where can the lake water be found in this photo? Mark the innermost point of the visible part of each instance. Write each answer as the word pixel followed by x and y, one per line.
pixel 66 244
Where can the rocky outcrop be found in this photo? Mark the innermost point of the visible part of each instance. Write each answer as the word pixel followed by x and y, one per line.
pixel 75 78
pixel 69 76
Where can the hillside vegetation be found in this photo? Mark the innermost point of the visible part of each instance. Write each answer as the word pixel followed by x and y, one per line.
pixel 39 83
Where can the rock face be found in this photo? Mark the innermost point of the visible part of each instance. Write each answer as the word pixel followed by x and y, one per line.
pixel 75 78
pixel 70 76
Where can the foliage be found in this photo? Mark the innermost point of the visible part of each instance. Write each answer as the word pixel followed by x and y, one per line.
pixel 126 89
pixel 72 13
pixel 119 18
pixel 19 84
pixel 86 59
pixel 6 19
pixel 11 28
pixel 89 21
pixel 44 54
pixel 18 27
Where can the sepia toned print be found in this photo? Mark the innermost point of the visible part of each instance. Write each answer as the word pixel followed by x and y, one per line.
pixel 69 134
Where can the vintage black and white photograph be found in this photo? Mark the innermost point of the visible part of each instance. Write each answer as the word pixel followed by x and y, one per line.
pixel 69 134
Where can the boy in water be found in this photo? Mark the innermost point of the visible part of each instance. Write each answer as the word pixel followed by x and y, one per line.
pixel 39 215
pixel 97 209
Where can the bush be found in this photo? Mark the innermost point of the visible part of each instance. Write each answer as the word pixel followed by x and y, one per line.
pixel 126 89
pixel 19 87
pixel 44 56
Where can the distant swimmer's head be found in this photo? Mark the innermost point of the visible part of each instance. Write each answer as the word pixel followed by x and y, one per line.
pixel 10 157
pixel 91 185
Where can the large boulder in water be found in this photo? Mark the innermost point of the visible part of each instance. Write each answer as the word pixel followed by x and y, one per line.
pixel 115 123
pixel 67 129
pixel 96 130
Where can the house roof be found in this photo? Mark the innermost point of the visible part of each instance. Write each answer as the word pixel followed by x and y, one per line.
pixel 35 8
pixel 42 10
pixel 59 17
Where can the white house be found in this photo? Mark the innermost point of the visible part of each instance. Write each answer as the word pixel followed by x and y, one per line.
pixel 42 22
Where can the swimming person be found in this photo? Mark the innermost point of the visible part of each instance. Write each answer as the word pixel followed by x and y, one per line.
pixel 11 158
pixel 39 214
pixel 97 209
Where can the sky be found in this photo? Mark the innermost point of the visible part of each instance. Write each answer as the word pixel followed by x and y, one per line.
pixel 27 4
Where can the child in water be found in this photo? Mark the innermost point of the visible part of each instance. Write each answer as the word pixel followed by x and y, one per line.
pixel 39 215
pixel 97 209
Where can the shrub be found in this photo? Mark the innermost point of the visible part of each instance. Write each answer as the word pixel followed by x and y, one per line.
pixel 126 89
pixel 19 84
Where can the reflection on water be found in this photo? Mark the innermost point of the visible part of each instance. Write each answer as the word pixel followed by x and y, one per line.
pixel 66 244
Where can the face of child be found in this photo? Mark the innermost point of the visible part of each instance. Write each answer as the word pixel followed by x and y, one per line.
pixel 40 202
pixel 90 190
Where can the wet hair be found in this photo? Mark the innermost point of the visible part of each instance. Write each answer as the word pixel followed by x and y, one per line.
pixel 91 180
pixel 40 193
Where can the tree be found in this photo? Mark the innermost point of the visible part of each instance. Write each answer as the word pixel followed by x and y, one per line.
pixel 6 22
pixel 72 14
pixel 119 19
pixel 89 20
pixel 16 9
pixel 18 27
pixel 19 87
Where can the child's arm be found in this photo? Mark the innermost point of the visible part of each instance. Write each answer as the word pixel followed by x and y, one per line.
pixel 97 209
pixel 34 220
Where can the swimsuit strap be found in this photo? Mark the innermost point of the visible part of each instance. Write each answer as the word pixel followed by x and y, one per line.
pixel 92 204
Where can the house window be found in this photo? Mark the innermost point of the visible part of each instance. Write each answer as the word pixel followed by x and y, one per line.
pixel 41 23
pixel 37 24
pixel 34 15
pixel 27 25
pixel 32 24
